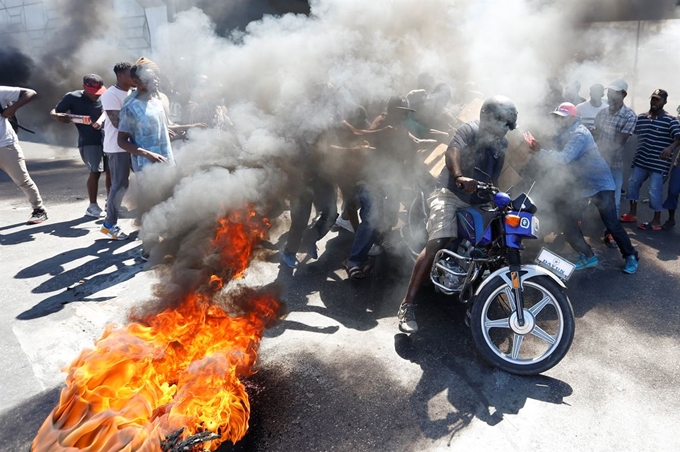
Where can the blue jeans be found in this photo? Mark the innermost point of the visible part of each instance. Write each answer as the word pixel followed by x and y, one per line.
pixel 640 175
pixel 604 201
pixel 671 202
pixel 371 201
pixel 617 174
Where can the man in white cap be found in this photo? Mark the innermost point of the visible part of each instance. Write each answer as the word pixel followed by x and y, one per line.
pixel 613 127
pixel 592 179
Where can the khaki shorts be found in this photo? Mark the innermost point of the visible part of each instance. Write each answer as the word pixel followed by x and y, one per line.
pixel 442 222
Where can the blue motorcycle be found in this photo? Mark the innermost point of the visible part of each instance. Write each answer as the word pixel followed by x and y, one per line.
pixel 521 318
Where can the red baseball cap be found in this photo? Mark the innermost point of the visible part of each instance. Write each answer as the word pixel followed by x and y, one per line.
pixel 565 109
pixel 94 84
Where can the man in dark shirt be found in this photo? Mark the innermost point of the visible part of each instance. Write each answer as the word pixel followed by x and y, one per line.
pixel 86 103
pixel 477 145
pixel 390 164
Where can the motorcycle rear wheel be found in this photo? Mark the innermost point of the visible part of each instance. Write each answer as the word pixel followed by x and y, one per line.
pixel 540 343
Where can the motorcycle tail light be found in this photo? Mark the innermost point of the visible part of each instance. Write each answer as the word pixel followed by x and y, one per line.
pixel 512 220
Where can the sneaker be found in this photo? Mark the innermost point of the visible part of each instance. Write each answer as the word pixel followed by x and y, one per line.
pixel 375 250
pixel 290 259
pixel 407 318
pixel 344 224
pixel 38 216
pixel 584 262
pixel 312 250
pixel 631 265
pixel 94 211
pixel 609 241
pixel 114 232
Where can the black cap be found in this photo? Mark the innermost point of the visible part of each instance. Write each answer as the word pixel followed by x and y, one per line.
pixel 399 102
pixel 660 93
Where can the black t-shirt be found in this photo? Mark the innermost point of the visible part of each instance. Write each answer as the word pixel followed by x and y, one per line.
pixel 489 157
pixel 77 103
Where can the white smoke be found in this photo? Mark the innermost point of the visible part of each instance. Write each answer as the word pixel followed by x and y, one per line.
pixel 271 76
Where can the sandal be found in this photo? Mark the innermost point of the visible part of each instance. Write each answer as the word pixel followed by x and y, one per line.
pixel 625 218
pixel 649 227
pixel 667 226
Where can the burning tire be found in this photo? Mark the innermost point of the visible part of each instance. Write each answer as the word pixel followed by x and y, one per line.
pixel 534 347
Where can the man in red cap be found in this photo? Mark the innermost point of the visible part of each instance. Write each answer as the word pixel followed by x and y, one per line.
pixel 86 106
pixel 588 176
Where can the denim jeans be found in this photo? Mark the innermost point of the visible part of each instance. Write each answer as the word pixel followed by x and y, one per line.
pixel 119 166
pixel 617 174
pixel 604 201
pixel 371 200
pixel 637 177
pixel 323 196
pixel 671 202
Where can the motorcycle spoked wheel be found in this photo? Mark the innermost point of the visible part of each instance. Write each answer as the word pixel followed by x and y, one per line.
pixel 545 337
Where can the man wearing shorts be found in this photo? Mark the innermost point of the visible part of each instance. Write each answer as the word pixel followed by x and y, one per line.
pixel 477 145
pixel 86 103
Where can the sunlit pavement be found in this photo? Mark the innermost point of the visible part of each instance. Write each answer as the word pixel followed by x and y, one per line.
pixel 336 374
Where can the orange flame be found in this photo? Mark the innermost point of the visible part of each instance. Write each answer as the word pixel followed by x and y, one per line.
pixel 179 368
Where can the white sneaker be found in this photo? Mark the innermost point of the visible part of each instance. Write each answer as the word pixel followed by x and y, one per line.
pixel 94 211
pixel 375 250
pixel 114 233
pixel 344 224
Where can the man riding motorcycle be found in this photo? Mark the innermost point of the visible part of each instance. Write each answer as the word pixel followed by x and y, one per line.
pixel 477 145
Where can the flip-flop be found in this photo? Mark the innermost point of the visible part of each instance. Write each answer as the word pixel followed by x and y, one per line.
pixel 648 227
pixel 625 218
pixel 667 226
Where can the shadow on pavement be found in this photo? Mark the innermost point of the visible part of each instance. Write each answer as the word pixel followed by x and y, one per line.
pixel 20 424
pixel 79 283
pixel 356 304
pixel 28 233
pixel 457 385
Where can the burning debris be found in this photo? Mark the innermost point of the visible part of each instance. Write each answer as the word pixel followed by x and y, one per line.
pixel 171 380
pixel 174 442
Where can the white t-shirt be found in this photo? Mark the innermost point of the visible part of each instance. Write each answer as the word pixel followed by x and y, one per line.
pixel 8 94
pixel 112 99
pixel 588 112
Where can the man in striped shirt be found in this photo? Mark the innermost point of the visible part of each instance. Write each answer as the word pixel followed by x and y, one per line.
pixel 658 137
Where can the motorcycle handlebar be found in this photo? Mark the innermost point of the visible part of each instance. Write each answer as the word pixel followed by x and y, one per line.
pixel 481 187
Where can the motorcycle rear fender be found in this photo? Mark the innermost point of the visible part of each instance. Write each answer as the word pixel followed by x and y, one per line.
pixel 528 272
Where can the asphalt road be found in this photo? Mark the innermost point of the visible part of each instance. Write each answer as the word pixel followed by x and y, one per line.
pixel 336 374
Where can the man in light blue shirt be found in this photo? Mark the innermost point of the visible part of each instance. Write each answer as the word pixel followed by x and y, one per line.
pixel 593 178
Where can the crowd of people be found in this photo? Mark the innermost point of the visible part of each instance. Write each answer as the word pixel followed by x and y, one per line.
pixel 127 127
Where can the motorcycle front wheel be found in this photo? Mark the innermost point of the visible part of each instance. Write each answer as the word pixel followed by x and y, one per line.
pixel 528 349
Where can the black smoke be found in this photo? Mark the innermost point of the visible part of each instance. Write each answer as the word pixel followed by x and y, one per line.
pixel 236 14
pixel 625 10
pixel 15 67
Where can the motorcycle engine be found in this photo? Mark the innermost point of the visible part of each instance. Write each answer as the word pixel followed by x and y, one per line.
pixel 453 279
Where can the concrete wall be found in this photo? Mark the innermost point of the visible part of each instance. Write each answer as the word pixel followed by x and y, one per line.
pixel 29 24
